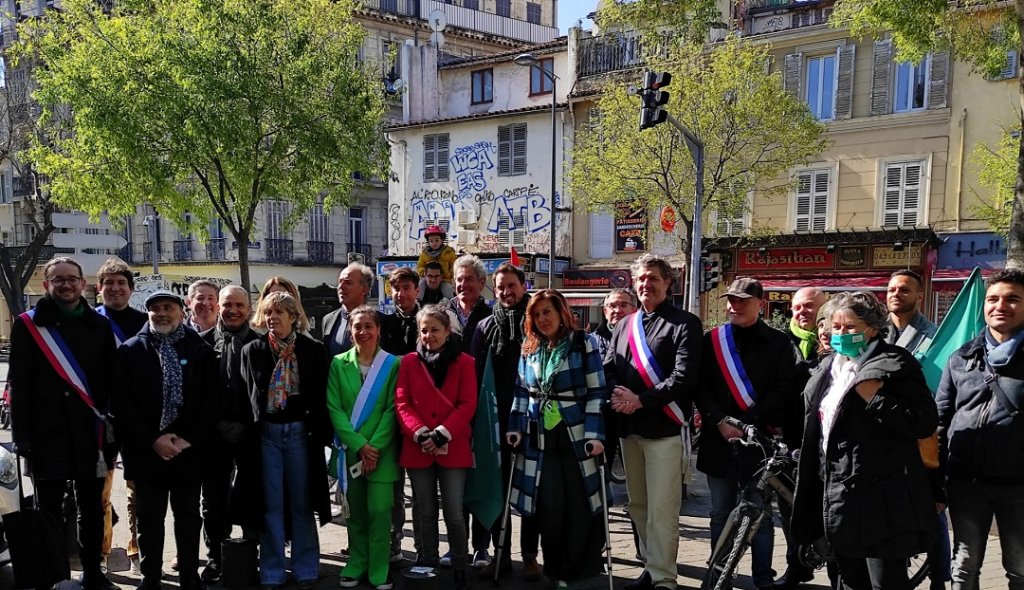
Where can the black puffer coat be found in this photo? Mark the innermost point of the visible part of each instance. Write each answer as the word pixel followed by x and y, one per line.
pixel 869 494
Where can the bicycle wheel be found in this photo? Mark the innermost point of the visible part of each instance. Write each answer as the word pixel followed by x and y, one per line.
pixel 722 565
pixel 917 569
pixel 5 416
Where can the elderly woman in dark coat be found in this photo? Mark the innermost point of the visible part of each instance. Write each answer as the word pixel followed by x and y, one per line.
pixel 861 483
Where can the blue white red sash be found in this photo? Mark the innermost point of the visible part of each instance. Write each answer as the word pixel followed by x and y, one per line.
pixel 365 403
pixel 646 364
pixel 732 367
pixel 119 336
pixel 64 363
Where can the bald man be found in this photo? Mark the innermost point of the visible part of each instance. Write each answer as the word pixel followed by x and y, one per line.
pixel 803 328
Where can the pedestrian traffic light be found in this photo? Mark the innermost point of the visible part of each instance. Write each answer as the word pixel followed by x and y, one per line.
pixel 710 275
pixel 653 99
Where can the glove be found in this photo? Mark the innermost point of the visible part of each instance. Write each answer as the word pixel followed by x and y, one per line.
pixel 422 437
pixel 230 431
pixel 439 438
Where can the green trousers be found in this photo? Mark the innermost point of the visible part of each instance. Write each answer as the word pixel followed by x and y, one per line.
pixel 369 530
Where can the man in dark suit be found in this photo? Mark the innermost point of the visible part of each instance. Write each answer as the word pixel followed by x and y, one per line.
pixel 354 282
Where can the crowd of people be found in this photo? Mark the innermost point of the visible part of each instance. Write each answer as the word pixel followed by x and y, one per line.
pixel 223 410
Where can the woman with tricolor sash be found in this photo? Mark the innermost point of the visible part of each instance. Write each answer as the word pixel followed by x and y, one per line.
pixel 361 404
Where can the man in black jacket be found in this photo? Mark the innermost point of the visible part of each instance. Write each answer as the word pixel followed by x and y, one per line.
pixel 649 393
pixel 981 435
pixel 354 282
pixel 758 389
pixel 59 417
pixel 235 418
pixel 166 400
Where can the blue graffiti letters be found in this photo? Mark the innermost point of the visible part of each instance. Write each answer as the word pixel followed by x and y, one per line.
pixel 469 164
pixel 525 202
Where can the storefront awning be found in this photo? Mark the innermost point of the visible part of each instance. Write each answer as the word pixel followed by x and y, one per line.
pixel 835 283
pixel 585 298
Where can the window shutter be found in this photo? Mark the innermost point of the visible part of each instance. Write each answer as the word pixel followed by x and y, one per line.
pixel 442 157
pixel 602 235
pixel 504 150
pixel 911 194
pixel 891 199
pixel 429 157
pixel 812 201
pixel 819 201
pixel 792 72
pixel 939 76
pixel 504 234
pixel 881 66
pixel 518 233
pixel 803 202
pixel 518 149
pixel 844 83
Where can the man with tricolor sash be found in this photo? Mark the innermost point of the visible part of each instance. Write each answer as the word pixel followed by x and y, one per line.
pixel 750 373
pixel 63 358
pixel 651 368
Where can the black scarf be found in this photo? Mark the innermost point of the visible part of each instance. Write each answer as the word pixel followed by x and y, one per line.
pixel 508 324
pixel 437 362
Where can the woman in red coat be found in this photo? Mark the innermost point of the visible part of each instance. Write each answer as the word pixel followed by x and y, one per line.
pixel 435 401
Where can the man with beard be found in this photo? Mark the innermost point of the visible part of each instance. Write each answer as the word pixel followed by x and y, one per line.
pixel 501 335
pixel 354 282
pixel 469 305
pixel 202 305
pixel 232 442
pixel 651 369
pixel 63 358
pixel 166 400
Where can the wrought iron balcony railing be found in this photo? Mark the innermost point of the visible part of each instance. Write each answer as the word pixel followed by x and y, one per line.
pixel 320 252
pixel 183 250
pixel 216 249
pixel 279 250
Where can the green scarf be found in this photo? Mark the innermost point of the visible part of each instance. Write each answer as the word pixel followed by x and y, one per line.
pixel 808 339
pixel 551 359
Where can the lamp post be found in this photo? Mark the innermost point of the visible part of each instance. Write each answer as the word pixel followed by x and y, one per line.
pixel 528 59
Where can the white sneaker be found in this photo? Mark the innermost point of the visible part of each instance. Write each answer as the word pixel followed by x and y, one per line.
pixel 387 585
pixel 133 566
pixel 348 583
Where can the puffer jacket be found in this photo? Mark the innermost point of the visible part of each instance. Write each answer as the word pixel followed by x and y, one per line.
pixel 980 438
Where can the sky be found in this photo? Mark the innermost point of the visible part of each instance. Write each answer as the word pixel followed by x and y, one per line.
pixel 569 11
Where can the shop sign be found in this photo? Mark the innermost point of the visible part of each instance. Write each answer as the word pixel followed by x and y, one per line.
pixel 604 278
pixel 853 257
pixel 967 250
pixel 785 259
pixel 778 296
pixel 630 227
pixel 887 257
pixel 540 265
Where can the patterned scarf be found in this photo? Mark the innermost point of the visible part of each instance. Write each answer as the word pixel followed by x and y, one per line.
pixel 508 324
pixel 808 339
pixel 170 366
pixel 285 380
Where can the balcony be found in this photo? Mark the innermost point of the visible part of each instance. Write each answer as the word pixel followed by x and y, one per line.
pixel 401 7
pixel 362 249
pixel 608 53
pixel 183 250
pixel 467 18
pixel 147 252
pixel 320 252
pixel 216 249
pixel 126 253
pixel 279 250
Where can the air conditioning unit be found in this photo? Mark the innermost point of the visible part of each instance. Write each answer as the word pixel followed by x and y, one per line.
pixel 467 237
pixel 356 257
pixel 466 217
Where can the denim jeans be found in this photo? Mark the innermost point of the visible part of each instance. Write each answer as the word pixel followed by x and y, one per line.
pixel 972 505
pixel 424 491
pixel 940 553
pixel 286 474
pixel 724 497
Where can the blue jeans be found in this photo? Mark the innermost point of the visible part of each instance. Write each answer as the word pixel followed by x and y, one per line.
pixel 724 495
pixel 940 553
pixel 286 474
pixel 972 505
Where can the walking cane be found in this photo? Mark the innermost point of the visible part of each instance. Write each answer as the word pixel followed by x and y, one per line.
pixel 604 504
pixel 504 518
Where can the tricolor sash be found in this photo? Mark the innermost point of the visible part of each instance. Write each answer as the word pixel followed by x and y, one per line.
pixel 119 336
pixel 64 363
pixel 645 363
pixel 732 367
pixel 366 401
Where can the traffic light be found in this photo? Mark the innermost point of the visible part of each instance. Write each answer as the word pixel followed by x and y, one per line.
pixel 652 99
pixel 711 274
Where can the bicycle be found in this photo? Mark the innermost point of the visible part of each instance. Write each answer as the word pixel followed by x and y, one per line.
pixel 772 481
pixel 5 407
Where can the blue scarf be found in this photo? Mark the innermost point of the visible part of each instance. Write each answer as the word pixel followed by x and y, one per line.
pixel 170 366
pixel 1000 353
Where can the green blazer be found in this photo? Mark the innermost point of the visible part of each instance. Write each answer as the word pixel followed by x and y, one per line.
pixel 380 430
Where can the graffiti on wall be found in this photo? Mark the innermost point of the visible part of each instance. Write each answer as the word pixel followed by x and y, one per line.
pixel 469 164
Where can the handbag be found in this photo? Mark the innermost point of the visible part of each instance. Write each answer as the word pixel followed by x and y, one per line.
pixel 929 449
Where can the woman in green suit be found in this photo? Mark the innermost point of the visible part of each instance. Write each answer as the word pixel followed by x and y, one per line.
pixel 361 403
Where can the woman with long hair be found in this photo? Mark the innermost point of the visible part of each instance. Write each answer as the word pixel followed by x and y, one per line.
pixel 361 404
pixel 286 376
pixel 279 284
pixel 435 400
pixel 558 428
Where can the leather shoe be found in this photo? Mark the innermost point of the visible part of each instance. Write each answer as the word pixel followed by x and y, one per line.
pixel 792 578
pixel 532 571
pixel 644 582
pixel 96 581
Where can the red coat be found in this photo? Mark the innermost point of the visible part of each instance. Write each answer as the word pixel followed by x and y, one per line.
pixel 419 403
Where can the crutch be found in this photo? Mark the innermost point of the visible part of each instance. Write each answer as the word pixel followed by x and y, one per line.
pixel 504 518
pixel 604 504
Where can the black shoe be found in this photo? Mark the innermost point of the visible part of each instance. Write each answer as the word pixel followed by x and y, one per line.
pixel 193 583
pixel 793 577
pixel 211 573
pixel 487 573
pixel 149 584
pixel 644 582
pixel 459 578
pixel 96 581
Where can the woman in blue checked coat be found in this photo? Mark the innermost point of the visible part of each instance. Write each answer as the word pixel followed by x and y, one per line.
pixel 556 412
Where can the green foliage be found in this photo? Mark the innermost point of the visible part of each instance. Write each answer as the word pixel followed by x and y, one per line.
pixel 206 106
pixel 997 173
pixel 752 129
pixel 687 21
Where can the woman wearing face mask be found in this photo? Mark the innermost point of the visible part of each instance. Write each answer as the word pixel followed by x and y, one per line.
pixel 435 401
pixel 861 482
pixel 556 421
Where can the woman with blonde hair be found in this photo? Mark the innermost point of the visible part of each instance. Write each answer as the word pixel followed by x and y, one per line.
pixel 279 284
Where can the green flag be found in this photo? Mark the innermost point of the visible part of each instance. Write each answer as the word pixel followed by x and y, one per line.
pixel 483 495
pixel 964 320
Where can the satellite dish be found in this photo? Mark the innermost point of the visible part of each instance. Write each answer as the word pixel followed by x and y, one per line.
pixel 438 20
pixel 437 38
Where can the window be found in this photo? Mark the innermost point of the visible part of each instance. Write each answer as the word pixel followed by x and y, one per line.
pixel 503 8
pixel 729 225
pixel 533 13
pixel 216 228
pixel 319 224
pixel 435 158
pixel 512 149
pixel 811 200
pixel 391 60
pixel 602 235
pixel 471 4
pixel 1009 70
pixel 821 86
pixel 902 193
pixel 185 231
pixel 483 86
pixel 5 196
pixel 539 83
pixel 911 86
pixel 355 226
pixel 277 212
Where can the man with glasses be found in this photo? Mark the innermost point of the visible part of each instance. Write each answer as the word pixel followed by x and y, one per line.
pixel 618 304
pixel 432 293
pixel 63 359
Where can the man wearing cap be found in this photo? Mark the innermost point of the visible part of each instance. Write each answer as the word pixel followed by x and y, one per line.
pixel 755 387
pixel 651 368
pixel 166 401
pixel 63 358
pixel 354 282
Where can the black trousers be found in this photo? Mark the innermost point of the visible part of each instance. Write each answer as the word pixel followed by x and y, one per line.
pixel 151 497
pixel 218 473
pixel 858 573
pixel 88 493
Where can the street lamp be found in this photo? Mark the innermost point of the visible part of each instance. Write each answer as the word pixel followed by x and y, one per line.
pixel 528 59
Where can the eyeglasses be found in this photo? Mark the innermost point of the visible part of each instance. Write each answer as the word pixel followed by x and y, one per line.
pixel 60 281
pixel 430 276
